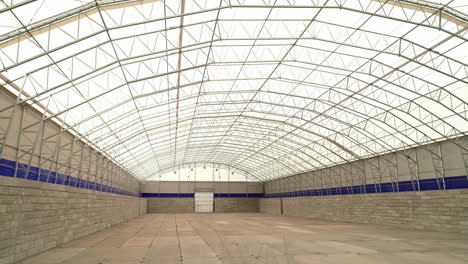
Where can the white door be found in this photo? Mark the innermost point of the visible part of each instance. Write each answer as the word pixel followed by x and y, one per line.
pixel 204 202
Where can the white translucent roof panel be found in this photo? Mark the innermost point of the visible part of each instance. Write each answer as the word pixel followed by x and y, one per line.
pixel 267 88
pixel 202 172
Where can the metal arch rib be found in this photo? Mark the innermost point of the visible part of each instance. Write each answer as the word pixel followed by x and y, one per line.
pixel 200 162
pixel 71 15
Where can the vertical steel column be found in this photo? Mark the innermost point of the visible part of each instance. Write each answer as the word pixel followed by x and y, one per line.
pixel 4 138
pixel 112 175
pixel 376 172
pixel 361 174
pixel 348 177
pixel 18 142
pixel 464 153
pixel 80 167
pixel 98 173
pixel 39 134
pixel 55 156
pixel 337 174
pixel 393 170
pixel 412 158
pixel 437 161
pixel 106 174
pixel 68 166
pixel 178 183
pixel 314 181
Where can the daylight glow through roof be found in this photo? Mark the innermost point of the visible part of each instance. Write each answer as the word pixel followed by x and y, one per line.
pixel 269 88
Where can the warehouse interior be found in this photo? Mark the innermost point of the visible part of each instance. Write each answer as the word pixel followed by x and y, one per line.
pixel 233 132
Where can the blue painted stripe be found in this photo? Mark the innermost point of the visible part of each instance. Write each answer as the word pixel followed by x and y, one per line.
pixel 455 182
pixel 191 195
pixel 8 167
pixel 167 195
pixel 238 195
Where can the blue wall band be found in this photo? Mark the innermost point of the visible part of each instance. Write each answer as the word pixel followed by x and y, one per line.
pixel 191 195
pixel 451 183
pixel 7 168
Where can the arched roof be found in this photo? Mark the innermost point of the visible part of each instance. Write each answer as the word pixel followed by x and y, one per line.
pixel 273 88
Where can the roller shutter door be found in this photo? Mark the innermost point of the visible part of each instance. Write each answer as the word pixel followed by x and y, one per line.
pixel 204 202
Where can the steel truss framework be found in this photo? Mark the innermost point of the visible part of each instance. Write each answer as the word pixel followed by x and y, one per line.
pixel 57 155
pixel 203 171
pixel 271 88
pixel 384 173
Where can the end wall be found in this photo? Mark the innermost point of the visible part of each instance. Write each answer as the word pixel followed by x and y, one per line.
pixel 236 205
pixel 171 205
pixel 37 216
pixel 270 206
pixel 177 196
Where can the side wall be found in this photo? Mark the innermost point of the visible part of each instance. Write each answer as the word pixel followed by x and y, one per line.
pixel 425 187
pixel 432 210
pixel 37 216
pixel 35 148
pixel 436 166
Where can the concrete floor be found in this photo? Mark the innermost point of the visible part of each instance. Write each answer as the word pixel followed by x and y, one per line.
pixel 255 238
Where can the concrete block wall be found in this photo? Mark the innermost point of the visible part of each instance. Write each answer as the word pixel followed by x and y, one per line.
pixel 270 206
pixel 171 205
pixel 429 210
pixel 143 205
pixel 37 216
pixel 232 205
pixel 177 197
